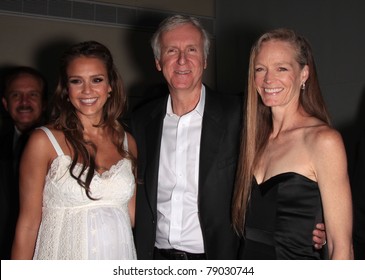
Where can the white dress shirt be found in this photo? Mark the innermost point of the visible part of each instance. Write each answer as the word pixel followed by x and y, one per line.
pixel 178 223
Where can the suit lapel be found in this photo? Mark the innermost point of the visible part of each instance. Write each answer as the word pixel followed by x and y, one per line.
pixel 211 137
pixel 153 135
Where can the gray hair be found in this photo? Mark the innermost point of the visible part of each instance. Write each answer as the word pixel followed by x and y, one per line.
pixel 173 22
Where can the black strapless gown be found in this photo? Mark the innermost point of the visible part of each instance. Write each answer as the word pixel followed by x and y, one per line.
pixel 282 214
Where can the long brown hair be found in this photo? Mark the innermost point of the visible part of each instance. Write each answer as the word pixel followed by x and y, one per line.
pixel 64 115
pixel 258 121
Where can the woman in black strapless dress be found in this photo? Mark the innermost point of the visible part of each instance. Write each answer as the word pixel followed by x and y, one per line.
pixel 281 218
pixel 293 169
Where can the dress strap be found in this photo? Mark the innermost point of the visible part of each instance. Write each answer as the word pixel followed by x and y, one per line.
pixel 125 142
pixel 53 140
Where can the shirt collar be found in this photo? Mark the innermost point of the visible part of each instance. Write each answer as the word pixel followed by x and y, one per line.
pixel 17 134
pixel 17 131
pixel 199 108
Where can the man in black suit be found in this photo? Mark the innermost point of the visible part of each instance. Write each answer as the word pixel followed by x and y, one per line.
pixel 23 94
pixel 188 144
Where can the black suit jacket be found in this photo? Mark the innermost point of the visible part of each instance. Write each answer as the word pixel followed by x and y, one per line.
pixel 9 190
pixel 219 150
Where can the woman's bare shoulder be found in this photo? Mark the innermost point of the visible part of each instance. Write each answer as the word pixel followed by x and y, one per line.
pixel 324 135
pixel 40 140
pixel 40 133
pixel 324 139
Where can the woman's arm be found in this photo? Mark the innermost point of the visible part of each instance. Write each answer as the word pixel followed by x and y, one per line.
pixel 330 166
pixel 33 170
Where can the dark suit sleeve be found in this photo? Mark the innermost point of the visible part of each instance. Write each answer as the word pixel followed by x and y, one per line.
pixel 219 151
pixel 358 194
pixel 9 202
pixel 146 127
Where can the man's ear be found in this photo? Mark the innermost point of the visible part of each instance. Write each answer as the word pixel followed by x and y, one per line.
pixel 158 65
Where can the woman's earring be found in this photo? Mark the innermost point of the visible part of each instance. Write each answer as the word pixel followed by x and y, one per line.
pixel 303 86
pixel 109 94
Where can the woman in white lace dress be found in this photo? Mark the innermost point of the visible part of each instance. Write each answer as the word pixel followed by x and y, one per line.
pixel 77 183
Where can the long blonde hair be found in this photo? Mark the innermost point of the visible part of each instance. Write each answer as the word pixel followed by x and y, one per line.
pixel 257 124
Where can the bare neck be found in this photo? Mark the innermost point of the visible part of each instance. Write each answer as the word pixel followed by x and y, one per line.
pixel 288 119
pixel 183 102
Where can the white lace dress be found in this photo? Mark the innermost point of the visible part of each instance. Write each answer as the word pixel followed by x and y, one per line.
pixel 74 227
